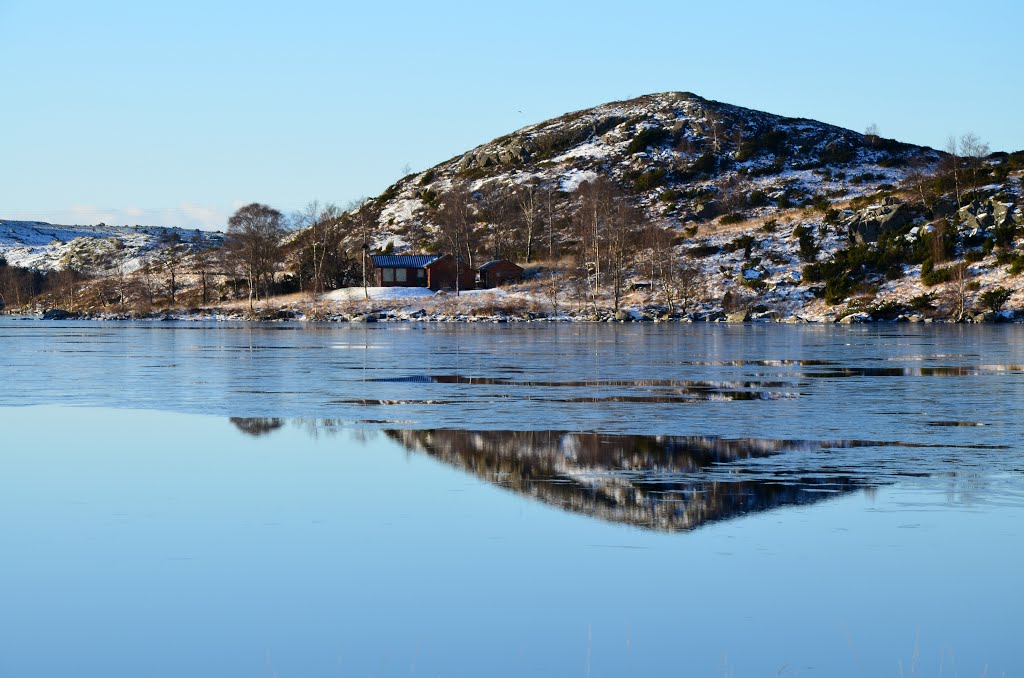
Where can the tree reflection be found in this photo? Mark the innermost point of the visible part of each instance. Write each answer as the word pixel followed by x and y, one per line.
pixel 257 426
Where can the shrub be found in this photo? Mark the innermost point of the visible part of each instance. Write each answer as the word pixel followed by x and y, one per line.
pixel 702 251
pixel 757 198
pixel 705 164
pixel 995 298
pixel 429 196
pixel 820 202
pixel 886 310
pixel 770 225
pixel 732 218
pixel 744 242
pixel 772 141
pixel 809 249
pixel 932 276
pixel 837 154
pixel 649 179
pixel 923 302
pixel 647 137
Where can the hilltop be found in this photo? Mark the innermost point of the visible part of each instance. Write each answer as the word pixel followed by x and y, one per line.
pixel 681 158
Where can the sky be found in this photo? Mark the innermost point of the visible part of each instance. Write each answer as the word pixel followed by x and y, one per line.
pixel 178 113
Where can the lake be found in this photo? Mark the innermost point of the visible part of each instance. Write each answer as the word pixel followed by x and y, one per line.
pixel 216 499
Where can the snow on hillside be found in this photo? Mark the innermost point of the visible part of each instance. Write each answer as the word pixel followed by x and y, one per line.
pixel 100 248
pixel 658 148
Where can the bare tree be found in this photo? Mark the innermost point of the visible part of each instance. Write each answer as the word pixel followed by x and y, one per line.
pixel 738 135
pixel 253 243
pixel 170 257
pixel 920 178
pixel 715 130
pixel 202 262
pixel 529 200
pixel 871 135
pixel 953 149
pixel 956 291
pixel 597 203
pixel 499 210
pixel 455 218
pixel 683 282
pixel 549 218
pixel 145 281
pixel 620 243
pixel 65 284
pixel 323 235
pixel 17 285
pixel 553 281
pixel 973 151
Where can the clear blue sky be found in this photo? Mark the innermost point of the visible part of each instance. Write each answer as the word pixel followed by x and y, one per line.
pixel 176 114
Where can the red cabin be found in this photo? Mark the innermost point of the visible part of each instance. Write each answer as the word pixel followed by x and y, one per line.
pixel 422 270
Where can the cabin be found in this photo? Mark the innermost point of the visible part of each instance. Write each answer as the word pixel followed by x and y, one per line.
pixel 401 270
pixel 422 270
pixel 499 272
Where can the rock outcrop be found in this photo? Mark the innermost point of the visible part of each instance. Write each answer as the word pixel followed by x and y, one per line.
pixel 870 223
pixel 980 216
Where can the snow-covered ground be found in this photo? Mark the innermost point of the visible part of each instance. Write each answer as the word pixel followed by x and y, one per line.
pixel 397 294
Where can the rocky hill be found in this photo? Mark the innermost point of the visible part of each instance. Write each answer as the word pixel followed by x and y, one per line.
pixel 682 158
pixel 770 210
pixel 99 249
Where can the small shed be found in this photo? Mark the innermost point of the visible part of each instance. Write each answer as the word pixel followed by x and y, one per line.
pixel 499 272
pixel 444 271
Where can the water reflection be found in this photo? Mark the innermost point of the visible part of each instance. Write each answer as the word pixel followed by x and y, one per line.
pixel 257 426
pixel 672 483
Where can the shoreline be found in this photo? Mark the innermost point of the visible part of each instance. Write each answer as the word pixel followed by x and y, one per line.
pixel 404 315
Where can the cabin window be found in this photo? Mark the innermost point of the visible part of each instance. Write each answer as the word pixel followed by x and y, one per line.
pixel 401 274
pixel 389 274
pixel 421 274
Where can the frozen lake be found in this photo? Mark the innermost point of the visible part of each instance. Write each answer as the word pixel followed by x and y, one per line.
pixel 508 500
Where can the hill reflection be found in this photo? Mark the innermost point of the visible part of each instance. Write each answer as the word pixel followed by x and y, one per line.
pixel 664 483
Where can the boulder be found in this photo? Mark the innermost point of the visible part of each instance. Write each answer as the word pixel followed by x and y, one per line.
pixel 978 217
pixel 855 319
pixel 623 316
pixel 365 318
pixel 870 223
pixel 58 314
pixel 738 316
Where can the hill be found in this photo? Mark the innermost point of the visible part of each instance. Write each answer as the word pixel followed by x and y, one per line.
pixel 683 159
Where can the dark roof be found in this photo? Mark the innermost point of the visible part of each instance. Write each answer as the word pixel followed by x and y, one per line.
pixel 495 262
pixel 402 260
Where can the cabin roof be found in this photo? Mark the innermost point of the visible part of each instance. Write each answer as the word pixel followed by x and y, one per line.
pixel 402 260
pixel 495 262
